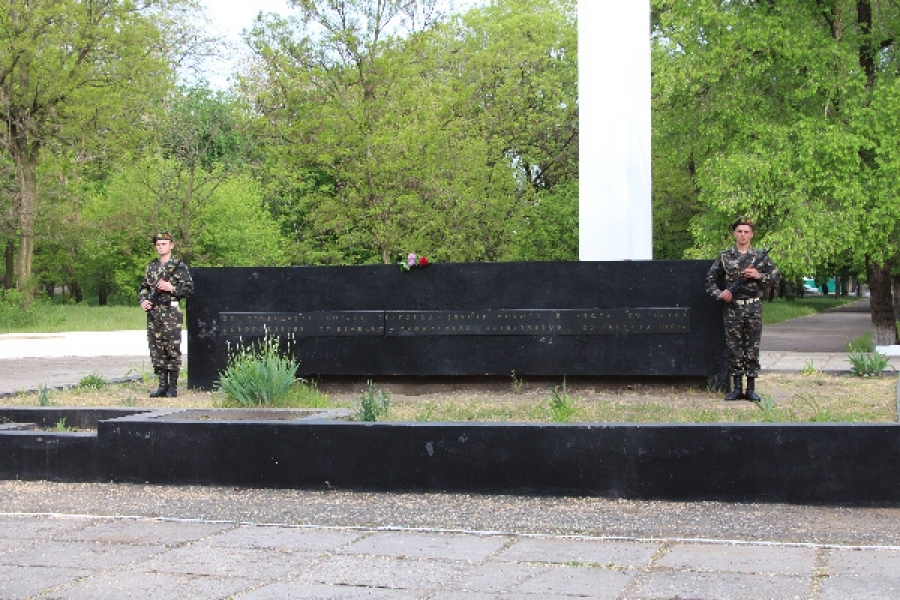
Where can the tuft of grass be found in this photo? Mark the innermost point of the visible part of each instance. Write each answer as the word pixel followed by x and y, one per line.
pixel 870 364
pixel 767 406
pixel 562 407
pixel 809 369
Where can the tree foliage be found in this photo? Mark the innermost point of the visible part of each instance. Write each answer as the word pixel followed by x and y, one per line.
pixel 388 135
pixel 786 110
pixel 73 73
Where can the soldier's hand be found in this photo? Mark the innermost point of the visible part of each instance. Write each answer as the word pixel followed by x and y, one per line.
pixel 751 273
pixel 146 305
pixel 164 286
pixel 725 295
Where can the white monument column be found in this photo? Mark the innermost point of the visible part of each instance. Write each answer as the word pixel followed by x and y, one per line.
pixel 614 130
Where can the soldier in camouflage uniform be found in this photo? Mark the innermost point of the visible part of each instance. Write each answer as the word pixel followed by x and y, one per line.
pixel 743 308
pixel 165 282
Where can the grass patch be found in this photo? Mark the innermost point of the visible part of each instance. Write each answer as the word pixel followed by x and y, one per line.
pixel 55 318
pixel 781 309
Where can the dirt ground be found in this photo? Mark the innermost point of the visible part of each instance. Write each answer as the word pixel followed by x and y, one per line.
pixel 786 397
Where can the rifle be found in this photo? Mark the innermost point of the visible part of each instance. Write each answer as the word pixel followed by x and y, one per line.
pixel 168 270
pixel 756 262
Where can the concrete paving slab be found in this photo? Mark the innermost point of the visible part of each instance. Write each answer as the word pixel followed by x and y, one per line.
pixel 152 586
pixel 497 577
pixel 282 590
pixel 720 586
pixel 743 558
pixel 288 539
pixel 854 587
pixel 588 552
pixel 146 532
pixel 77 555
pixel 203 558
pixel 864 562
pixel 26 527
pixel 567 581
pixel 415 545
pixel 27 582
pixel 393 572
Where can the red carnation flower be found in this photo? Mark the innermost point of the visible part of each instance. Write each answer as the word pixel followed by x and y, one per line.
pixel 423 261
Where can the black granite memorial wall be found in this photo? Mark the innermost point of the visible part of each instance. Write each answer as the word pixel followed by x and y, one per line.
pixel 633 318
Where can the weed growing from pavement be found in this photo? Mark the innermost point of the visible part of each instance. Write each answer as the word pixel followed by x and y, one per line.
pixel 809 368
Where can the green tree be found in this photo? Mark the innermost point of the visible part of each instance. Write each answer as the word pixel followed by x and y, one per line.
pixel 72 72
pixel 202 142
pixel 792 106
pixel 430 139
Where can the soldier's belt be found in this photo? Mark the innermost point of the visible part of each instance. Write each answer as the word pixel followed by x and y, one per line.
pixel 747 301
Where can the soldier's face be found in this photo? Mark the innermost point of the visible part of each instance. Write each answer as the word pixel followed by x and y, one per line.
pixel 163 247
pixel 743 234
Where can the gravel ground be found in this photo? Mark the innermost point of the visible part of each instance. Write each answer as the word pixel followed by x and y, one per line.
pixel 838 525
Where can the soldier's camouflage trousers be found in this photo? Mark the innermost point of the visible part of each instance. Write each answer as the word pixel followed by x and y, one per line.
pixel 743 330
pixel 164 338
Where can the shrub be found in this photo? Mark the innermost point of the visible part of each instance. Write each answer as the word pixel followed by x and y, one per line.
pixel 373 404
pixel 91 382
pixel 258 374
pixel 16 310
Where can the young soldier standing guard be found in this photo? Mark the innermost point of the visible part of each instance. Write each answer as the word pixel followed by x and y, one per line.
pixel 165 282
pixel 743 308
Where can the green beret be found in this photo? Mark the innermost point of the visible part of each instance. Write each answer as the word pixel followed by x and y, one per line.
pixel 742 221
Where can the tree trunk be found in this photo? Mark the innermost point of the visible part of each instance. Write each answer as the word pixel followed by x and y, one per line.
pixel 8 280
pixel 896 286
pixel 25 155
pixel 884 325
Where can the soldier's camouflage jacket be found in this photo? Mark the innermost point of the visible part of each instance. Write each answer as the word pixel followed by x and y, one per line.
pixel 727 269
pixel 176 273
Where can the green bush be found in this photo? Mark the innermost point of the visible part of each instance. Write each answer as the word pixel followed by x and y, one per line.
pixel 16 310
pixel 373 404
pixel 91 382
pixel 258 374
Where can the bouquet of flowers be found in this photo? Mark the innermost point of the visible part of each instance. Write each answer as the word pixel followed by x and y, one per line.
pixel 412 261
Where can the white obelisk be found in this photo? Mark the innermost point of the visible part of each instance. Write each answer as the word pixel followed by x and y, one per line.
pixel 614 130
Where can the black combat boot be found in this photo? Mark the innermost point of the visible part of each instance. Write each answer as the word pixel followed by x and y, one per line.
pixel 737 392
pixel 163 385
pixel 751 395
pixel 172 391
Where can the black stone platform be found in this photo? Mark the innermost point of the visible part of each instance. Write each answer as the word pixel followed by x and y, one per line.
pixel 640 318
pixel 801 463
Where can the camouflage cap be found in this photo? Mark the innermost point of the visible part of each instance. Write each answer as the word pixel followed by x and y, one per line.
pixel 742 221
pixel 163 235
